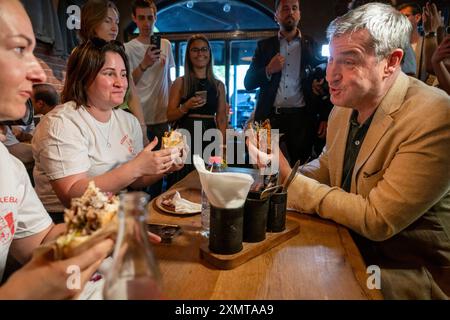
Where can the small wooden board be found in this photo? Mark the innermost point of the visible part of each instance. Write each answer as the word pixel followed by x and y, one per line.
pixel 249 250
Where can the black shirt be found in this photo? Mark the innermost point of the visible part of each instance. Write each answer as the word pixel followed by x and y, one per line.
pixel 355 138
pixel 212 98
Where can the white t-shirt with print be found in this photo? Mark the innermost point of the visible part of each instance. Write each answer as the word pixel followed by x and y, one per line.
pixel 70 141
pixel 153 87
pixel 21 213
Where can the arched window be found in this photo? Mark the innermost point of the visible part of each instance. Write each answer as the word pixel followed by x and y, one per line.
pixel 213 15
pixel 233 28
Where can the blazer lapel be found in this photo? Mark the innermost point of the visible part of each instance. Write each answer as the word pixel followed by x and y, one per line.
pixel 380 124
pixel 382 121
pixel 338 144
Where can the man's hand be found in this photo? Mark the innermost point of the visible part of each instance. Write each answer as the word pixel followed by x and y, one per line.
pixel 431 18
pixel 275 65
pixel 261 159
pixel 322 131
pixel 151 56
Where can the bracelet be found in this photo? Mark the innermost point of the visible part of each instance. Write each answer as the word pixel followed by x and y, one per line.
pixel 430 34
pixel 141 68
pixel 181 110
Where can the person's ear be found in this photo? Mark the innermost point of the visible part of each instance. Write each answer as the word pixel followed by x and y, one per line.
pixel 417 17
pixel 393 61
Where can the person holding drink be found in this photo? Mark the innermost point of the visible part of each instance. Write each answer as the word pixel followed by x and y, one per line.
pixel 198 97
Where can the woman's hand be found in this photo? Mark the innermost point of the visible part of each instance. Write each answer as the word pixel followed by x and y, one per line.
pixel 194 102
pixel 442 52
pixel 42 278
pixel 153 238
pixel 179 156
pixel 149 162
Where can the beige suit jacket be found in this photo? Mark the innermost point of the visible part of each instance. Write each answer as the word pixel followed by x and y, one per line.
pixel 399 201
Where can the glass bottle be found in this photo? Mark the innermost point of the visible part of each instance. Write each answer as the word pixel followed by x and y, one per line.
pixel 215 164
pixel 134 274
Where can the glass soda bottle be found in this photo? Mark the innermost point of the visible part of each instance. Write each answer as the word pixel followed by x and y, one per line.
pixel 215 164
pixel 134 274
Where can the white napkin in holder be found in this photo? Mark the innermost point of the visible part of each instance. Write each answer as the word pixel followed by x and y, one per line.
pixel 224 189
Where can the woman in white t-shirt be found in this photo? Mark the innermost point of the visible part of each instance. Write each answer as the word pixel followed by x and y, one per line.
pixel 100 19
pixel 88 138
pixel 24 224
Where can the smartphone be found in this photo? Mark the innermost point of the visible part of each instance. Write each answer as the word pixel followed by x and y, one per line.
pixel 166 231
pixel 155 39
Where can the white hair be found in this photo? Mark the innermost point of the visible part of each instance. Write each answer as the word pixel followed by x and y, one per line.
pixel 388 28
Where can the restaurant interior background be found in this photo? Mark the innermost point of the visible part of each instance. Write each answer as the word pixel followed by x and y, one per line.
pixel 233 26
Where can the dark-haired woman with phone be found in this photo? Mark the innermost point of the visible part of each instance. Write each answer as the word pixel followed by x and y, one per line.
pixel 187 103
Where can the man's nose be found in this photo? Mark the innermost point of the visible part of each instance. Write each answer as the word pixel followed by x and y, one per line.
pixel 332 74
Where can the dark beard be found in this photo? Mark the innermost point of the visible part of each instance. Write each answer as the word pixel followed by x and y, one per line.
pixel 288 27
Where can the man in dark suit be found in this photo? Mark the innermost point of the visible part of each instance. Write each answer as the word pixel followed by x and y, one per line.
pixel 282 68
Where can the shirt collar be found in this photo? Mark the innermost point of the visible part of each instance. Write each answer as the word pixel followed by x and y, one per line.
pixel 298 35
pixel 354 120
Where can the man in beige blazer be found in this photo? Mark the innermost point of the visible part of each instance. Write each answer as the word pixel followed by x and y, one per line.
pixel 384 172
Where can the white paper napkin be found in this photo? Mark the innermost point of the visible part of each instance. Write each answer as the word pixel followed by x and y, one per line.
pixel 224 189
pixel 185 206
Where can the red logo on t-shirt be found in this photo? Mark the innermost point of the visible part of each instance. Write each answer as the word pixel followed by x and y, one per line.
pixel 128 143
pixel 7 228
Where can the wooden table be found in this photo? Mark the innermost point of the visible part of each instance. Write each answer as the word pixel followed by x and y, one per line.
pixel 321 262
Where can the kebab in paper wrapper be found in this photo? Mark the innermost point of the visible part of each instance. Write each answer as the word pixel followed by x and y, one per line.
pixel 175 139
pixel 262 134
pixel 90 219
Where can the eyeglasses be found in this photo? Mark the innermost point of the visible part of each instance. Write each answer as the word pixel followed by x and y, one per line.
pixel 202 49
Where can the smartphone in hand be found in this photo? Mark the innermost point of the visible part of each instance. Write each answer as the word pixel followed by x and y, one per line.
pixel 155 39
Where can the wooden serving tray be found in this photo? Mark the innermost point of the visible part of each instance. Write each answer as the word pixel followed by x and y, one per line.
pixel 249 250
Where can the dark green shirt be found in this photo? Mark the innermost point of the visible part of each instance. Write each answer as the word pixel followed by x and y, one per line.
pixel 355 138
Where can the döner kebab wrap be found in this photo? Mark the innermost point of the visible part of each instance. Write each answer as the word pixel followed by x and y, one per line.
pixel 262 132
pixel 90 219
pixel 174 139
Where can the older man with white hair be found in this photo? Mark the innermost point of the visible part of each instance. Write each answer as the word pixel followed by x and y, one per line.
pixel 384 172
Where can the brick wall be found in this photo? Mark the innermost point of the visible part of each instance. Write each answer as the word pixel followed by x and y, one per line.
pixel 53 66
